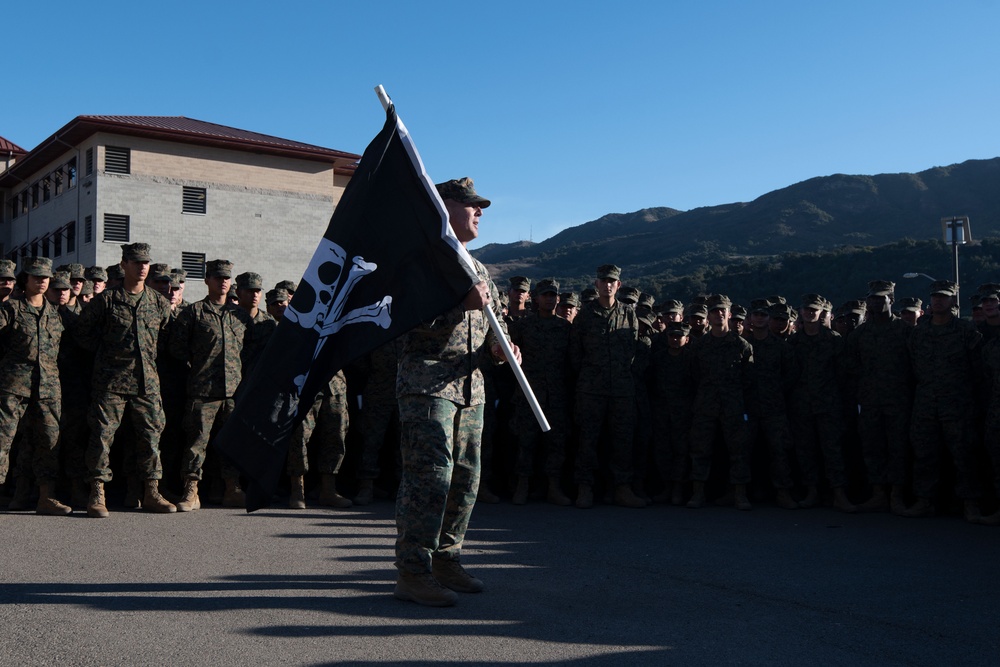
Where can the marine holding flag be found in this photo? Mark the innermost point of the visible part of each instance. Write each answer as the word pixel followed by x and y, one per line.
pixel 441 398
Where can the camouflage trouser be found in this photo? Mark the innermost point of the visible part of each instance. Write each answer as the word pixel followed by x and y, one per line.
pixel 993 448
pixel 106 412
pixel 885 441
pixel 672 443
pixel 775 432
pixel 927 430
pixel 202 418
pixel 376 417
pixel 440 452
pixel 820 435
pixel 73 435
pixel 329 413
pixel 592 412
pixel 529 434
pixel 40 432
pixel 643 437
pixel 734 432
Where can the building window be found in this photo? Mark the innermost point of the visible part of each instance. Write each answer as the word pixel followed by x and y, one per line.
pixel 117 160
pixel 194 200
pixel 71 174
pixel 24 200
pixel 71 236
pixel 46 188
pixel 34 248
pixel 88 229
pixel 116 228
pixel 57 245
pixel 15 207
pixel 89 162
pixel 194 264
pixel 34 195
pixel 45 247
pixel 59 180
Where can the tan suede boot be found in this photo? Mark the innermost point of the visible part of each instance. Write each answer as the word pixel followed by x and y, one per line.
pixel 841 502
pixel 190 501
pixel 366 492
pixel 922 508
pixel 96 506
pixel 47 503
pixel 80 493
pixel 784 500
pixel 740 500
pixel 896 503
pixel 328 495
pixel 624 497
pixel 584 496
pixel 133 493
pixel 520 496
pixel 555 494
pixel 811 499
pixel 233 495
pixel 697 500
pixel 879 502
pixel 152 501
pixel 297 496
pixel 424 589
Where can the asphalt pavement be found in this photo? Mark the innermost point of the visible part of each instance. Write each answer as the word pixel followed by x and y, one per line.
pixel 606 586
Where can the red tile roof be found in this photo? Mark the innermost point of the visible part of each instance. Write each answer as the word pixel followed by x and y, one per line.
pixel 10 147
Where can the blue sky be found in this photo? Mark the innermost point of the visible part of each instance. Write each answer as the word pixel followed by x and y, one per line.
pixel 561 111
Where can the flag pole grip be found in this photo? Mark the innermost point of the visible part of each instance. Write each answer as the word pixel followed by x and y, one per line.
pixel 518 371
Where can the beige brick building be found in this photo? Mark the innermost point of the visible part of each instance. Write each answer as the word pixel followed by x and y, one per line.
pixel 194 191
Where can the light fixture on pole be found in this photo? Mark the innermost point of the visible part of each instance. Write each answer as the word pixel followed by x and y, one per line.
pixel 956 231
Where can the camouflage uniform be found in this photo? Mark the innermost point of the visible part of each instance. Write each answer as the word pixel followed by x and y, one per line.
pixel 775 371
pixel 29 384
pixel 379 407
pixel 441 396
pixel 329 413
pixel 672 404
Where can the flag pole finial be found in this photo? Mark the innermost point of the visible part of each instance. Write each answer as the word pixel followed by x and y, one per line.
pixel 383 97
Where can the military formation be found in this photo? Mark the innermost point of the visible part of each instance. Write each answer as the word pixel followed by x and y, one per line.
pixel 877 405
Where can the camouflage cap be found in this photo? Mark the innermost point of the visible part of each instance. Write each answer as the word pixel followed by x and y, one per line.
pixel 218 268
pixel 609 272
pixel 136 252
pixel 911 303
pixel 781 311
pixel 60 280
pixel 96 274
pixel 569 299
pixel 7 269
pixel 646 300
pixel 777 298
pixel 276 295
pixel 988 288
pixel 647 317
pixel 76 272
pixel 463 191
pixel 249 280
pixel 881 288
pixel 696 309
pixel 738 312
pixel 181 274
pixel 115 272
pixel 159 271
pixel 977 301
pixel 718 301
pixel 813 300
pixel 853 307
pixel 520 283
pixel 672 306
pixel 38 266
pixel 287 285
pixel 679 328
pixel 629 295
pixel 588 295
pixel 944 288
pixel 760 306
pixel 88 287
pixel 547 286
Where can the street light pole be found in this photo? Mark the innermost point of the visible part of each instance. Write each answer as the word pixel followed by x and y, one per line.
pixel 957 232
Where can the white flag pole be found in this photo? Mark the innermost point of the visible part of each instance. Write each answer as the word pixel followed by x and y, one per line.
pixel 491 317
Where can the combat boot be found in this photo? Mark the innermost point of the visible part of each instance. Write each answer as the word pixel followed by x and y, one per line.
pixel 991 520
pixel 520 496
pixel 96 506
pixel 366 491
pixel 896 503
pixel 133 493
pixel 152 501
pixel 79 494
pixel 189 501
pixel 297 495
pixel 971 511
pixel 451 574
pixel 555 494
pixel 328 495
pixel 726 500
pixel 639 489
pixel 921 508
pixel 22 495
pixel 584 496
pixel 740 500
pixel 879 502
pixel 485 495
pixel 233 496
pixel 784 500
pixel 841 501
pixel 677 495
pixel 424 589
pixel 625 498
pixel 811 499
pixel 697 500
pixel 47 503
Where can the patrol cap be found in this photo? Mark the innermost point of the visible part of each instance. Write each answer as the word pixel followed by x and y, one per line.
pixel 159 271
pixel 219 268
pixel 944 287
pixel 853 307
pixel 136 252
pixel 588 295
pixel 816 301
pixel 287 285
pixel 646 300
pixel 275 295
pixel 463 191
pixel 776 298
pixel 76 272
pixel 701 298
pixel 88 287
pixel 504 300
pixel 881 288
pixel 760 306
pixel 678 328
pixel 180 274
pixel 60 280
pixel 647 317
pixel 39 266
pixel 629 295
pixel 249 280
pixel 96 274
pixel 7 268
pixel 911 303
pixel 738 312
pixel 520 283
pixel 718 301
pixel 977 300
pixel 609 272
pixel 569 299
pixel 696 309
pixel 780 311
pixel 115 272
pixel 547 286
pixel 988 289
pixel 672 306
